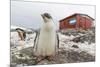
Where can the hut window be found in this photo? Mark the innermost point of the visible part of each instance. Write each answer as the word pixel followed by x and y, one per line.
pixel 72 21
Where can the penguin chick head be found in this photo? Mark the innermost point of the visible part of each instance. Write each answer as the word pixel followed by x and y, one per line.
pixel 46 17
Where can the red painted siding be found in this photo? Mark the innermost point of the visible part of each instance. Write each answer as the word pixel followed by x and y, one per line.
pixel 78 22
pixel 82 22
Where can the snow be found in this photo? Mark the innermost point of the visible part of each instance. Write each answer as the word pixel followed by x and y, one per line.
pixel 90 48
pixel 18 44
pixel 14 27
pixel 23 28
pixel 84 52
pixel 64 42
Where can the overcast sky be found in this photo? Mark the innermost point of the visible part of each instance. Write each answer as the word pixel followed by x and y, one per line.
pixel 27 14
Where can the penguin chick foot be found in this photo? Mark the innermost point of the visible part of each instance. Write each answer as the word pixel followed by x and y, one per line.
pixel 50 58
pixel 39 59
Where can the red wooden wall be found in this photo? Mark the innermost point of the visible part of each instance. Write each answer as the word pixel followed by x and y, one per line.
pixel 82 22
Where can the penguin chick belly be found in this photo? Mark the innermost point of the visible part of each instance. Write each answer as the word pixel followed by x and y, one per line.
pixel 46 45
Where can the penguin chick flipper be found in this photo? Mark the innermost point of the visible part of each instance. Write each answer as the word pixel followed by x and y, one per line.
pixel 57 43
pixel 36 40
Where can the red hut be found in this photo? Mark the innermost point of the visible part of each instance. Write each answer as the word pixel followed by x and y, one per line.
pixel 76 21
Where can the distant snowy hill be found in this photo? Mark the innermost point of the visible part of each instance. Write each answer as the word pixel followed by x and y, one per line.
pixel 13 28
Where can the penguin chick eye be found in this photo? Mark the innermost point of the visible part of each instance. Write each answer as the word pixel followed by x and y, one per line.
pixel 47 15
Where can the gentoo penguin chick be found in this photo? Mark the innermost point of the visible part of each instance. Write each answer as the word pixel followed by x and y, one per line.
pixel 46 40
pixel 21 33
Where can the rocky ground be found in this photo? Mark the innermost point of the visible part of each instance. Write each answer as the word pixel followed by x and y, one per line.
pixel 75 46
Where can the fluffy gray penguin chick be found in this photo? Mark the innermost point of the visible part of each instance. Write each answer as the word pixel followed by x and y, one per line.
pixel 46 40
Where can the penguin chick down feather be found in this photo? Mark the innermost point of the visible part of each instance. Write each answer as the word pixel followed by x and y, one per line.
pixel 46 40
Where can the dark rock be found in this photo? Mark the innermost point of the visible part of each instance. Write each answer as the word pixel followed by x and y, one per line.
pixel 88 38
pixel 75 46
pixel 74 56
pixel 87 57
pixel 13 65
pixel 83 35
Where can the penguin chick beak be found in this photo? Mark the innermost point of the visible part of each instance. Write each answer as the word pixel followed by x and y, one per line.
pixel 42 16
